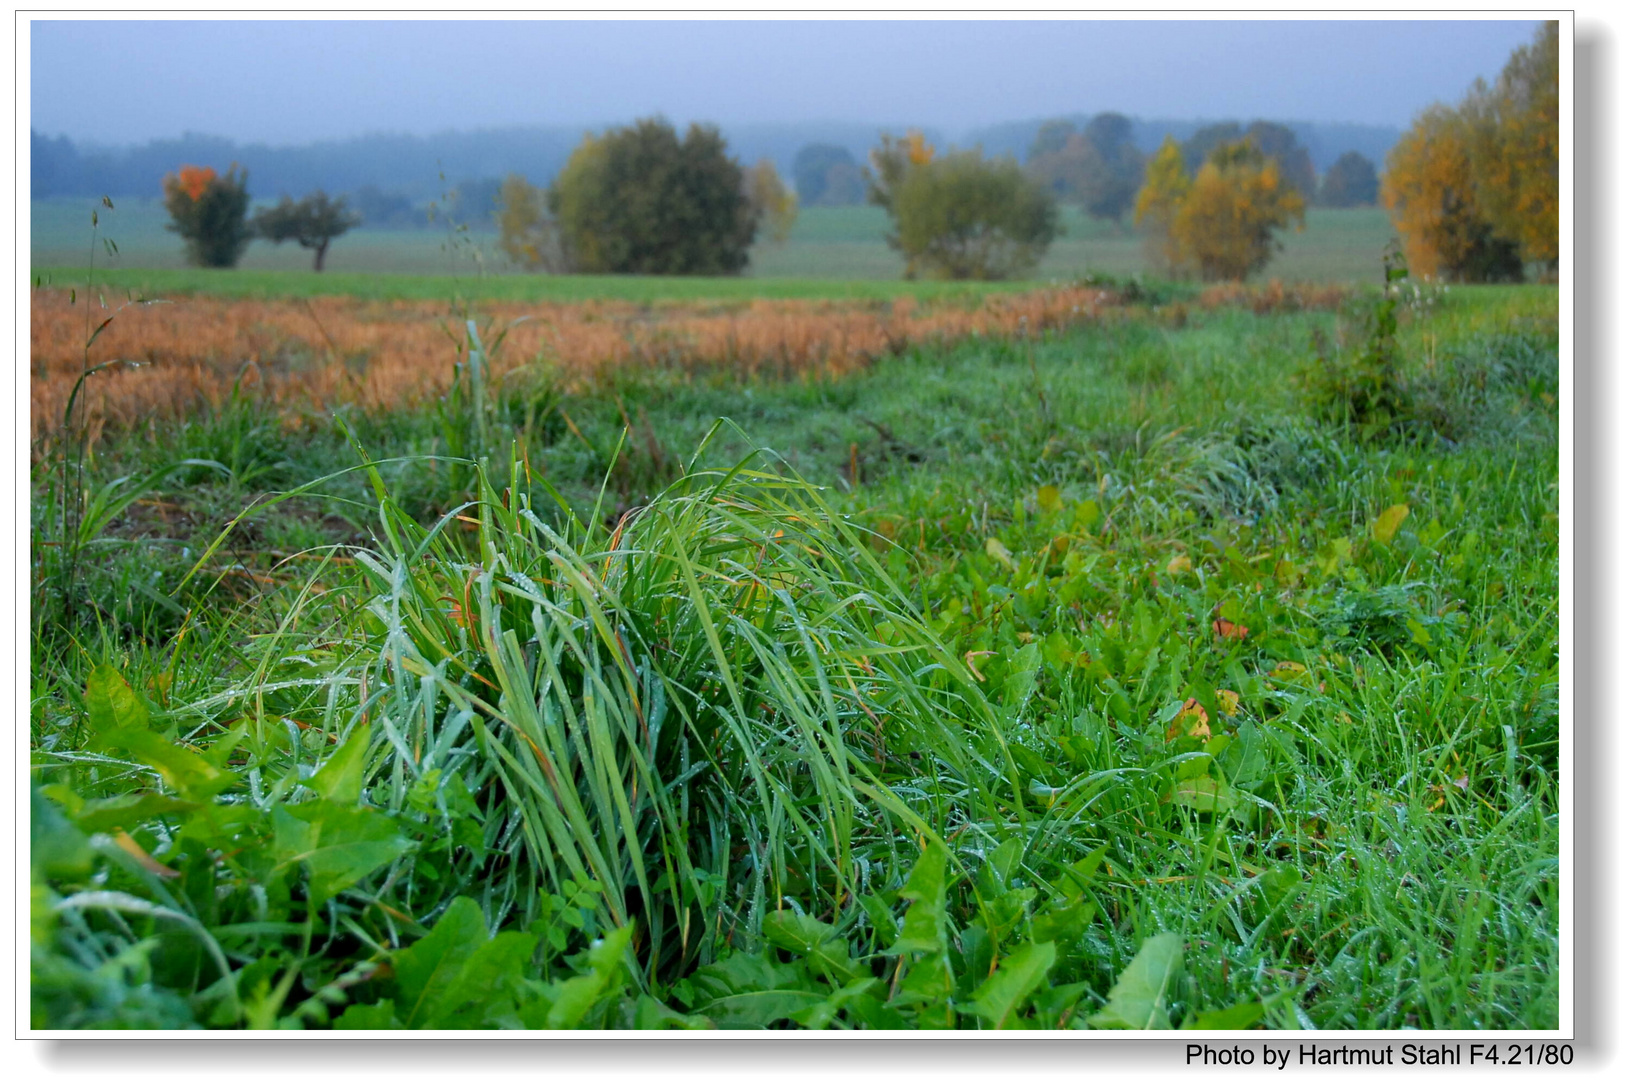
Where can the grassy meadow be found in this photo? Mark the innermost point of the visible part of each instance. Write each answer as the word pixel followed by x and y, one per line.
pixel 1140 657
pixel 831 251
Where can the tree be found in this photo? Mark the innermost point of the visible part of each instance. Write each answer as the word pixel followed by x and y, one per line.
pixel 1430 190
pixel 1350 181
pixel 827 175
pixel 207 211
pixel 1159 203
pixel 640 200
pixel 313 223
pixel 1225 225
pixel 1474 190
pixel 774 205
pixel 528 236
pixel 1516 148
pixel 960 216
pixel 1202 142
pixel 1282 145
pixel 1100 168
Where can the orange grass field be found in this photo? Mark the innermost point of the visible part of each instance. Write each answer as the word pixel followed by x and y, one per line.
pixel 177 356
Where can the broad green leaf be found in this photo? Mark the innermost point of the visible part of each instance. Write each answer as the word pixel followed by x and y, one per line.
pixel 110 702
pixel 1003 993
pixel 924 924
pixel 824 1014
pixel 1207 794
pixel 338 844
pixel 653 1015
pixel 129 810
pixel 1235 1018
pixel 426 969
pixel 575 997
pixel 1390 520
pixel 484 992
pixel 751 990
pixel 377 1017
pixel 1050 498
pixel 119 721
pixel 1076 879
pixel 188 773
pixel 341 778
pixel 826 953
pixel 1138 998
pixel 55 847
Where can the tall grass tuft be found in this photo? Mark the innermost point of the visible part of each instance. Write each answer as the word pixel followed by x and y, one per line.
pixel 720 706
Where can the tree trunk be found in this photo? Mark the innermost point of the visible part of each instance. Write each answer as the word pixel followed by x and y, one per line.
pixel 318 258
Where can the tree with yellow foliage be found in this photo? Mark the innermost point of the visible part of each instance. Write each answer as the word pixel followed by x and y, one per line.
pixel 1159 203
pixel 528 236
pixel 1516 148
pixel 1225 226
pixel 1222 221
pixel 1475 190
pixel 775 207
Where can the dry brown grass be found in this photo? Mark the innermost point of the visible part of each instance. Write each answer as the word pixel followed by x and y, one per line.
pixel 1275 296
pixel 314 354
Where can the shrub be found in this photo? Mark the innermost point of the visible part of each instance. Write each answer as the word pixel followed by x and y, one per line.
pixel 961 216
pixel 207 210
pixel 640 200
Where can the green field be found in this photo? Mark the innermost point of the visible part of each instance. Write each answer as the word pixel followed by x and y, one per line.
pixel 839 248
pixel 1184 668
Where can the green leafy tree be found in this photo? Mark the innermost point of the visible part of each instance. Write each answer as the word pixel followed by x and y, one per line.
pixel 961 216
pixel 313 222
pixel 641 200
pixel 1350 181
pixel 207 210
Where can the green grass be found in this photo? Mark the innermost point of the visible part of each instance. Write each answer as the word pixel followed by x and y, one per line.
pixel 707 714
pixel 832 252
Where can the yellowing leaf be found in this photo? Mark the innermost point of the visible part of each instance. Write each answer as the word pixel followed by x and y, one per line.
pixel 1050 498
pixel 1228 700
pixel 1191 720
pixel 1181 564
pixel 999 552
pixel 1390 520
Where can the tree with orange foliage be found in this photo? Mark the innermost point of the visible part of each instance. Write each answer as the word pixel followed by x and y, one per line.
pixel 208 210
pixel 1430 188
pixel 1516 148
pixel 1475 190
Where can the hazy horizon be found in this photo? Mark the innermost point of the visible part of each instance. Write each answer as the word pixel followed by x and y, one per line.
pixel 115 83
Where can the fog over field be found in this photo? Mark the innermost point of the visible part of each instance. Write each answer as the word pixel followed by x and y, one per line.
pixel 291 82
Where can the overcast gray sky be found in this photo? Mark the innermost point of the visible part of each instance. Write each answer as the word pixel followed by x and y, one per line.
pixel 117 82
